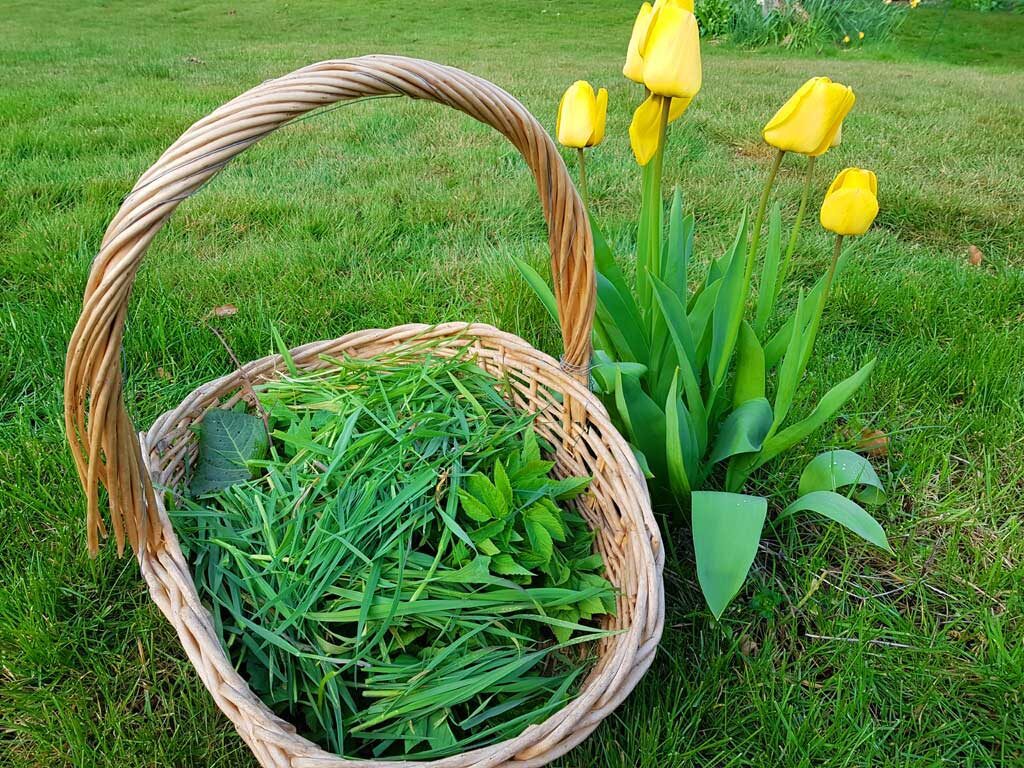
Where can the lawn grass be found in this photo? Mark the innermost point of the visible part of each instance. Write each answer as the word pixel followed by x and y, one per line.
pixel 392 212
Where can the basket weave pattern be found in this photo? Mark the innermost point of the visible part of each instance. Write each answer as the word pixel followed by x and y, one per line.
pixel 108 450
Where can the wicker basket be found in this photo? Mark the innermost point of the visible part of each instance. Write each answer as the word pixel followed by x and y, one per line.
pixel 108 450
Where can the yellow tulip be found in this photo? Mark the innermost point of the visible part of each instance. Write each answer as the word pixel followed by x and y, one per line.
pixel 645 126
pixel 671 52
pixel 851 203
pixel 634 66
pixel 809 121
pixel 581 115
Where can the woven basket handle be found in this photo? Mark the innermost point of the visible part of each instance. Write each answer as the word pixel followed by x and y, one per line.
pixel 102 437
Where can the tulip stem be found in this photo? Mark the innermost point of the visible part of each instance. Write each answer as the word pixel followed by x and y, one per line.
pixel 755 238
pixel 649 237
pixel 794 236
pixel 581 159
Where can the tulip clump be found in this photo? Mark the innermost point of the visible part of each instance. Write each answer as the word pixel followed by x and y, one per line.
pixel 702 386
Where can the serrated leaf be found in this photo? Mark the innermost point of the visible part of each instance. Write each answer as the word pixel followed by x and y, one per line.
pixel 484 491
pixel 833 470
pixel 227 441
pixel 726 531
pixel 502 484
pixel 844 511
pixel 474 508
pixel 540 540
pixel 549 519
pixel 504 565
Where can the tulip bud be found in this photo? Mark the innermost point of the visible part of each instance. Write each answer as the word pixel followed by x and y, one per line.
pixel 581 116
pixel 634 66
pixel 851 203
pixel 808 122
pixel 671 53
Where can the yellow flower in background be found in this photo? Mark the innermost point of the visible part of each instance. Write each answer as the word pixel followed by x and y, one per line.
pixel 846 39
pixel 860 35
pixel 671 52
pixel 581 115
pixel 915 3
pixel 851 203
pixel 634 66
pixel 809 121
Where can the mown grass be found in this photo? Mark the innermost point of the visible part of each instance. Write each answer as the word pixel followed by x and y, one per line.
pixel 390 212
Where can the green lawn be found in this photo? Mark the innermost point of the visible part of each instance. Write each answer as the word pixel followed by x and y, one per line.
pixel 390 212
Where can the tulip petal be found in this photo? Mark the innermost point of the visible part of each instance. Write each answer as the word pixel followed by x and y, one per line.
pixel 677 108
pixel 634 66
pixel 644 129
pixel 811 119
pixel 851 203
pixel 600 117
pixel 672 65
pixel 576 115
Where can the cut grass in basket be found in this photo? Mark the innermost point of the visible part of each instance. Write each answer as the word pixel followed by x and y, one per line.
pixel 387 558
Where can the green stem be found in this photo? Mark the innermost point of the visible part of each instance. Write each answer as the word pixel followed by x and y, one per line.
pixel 581 158
pixel 649 238
pixel 755 238
pixel 794 236
pixel 820 309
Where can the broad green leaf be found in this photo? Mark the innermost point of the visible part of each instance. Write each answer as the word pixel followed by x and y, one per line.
pixel 604 261
pixel 831 402
pixel 680 442
pixel 228 440
pixel 604 369
pixel 549 519
pixel 628 336
pixel 641 460
pixel 679 329
pixel 700 321
pixel 677 255
pixel 474 508
pixel 540 540
pixel 749 367
pixel 502 484
pixel 726 531
pixel 775 348
pixel 728 314
pixel 485 491
pixel 832 470
pixel 644 420
pixel 505 565
pixel 766 289
pixel 844 511
pixel 789 373
pixel 539 286
pixel 743 431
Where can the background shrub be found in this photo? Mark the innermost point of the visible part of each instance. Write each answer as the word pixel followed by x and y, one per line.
pixel 815 23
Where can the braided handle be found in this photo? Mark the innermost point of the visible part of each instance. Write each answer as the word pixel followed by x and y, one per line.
pixel 102 437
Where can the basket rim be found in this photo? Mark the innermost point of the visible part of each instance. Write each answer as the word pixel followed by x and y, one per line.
pixel 618 668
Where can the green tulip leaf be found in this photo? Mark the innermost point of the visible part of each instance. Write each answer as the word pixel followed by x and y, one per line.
pixel 726 531
pixel 680 442
pixel 604 261
pixel 644 420
pixel 749 367
pixel 842 510
pixel 831 402
pixel 833 470
pixel 604 368
pixel 766 290
pixel 743 431
pixel 728 313
pixel 541 288
pixel 627 335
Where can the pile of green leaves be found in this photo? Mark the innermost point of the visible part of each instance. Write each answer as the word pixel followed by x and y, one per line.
pixel 703 387
pixel 388 558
